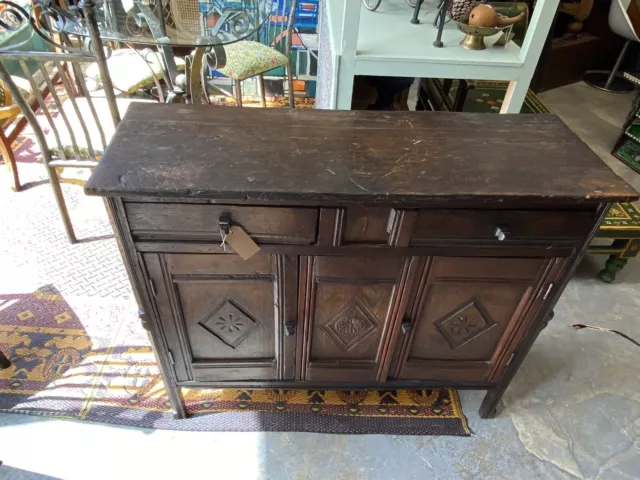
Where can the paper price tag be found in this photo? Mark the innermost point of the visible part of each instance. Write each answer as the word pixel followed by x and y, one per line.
pixel 241 242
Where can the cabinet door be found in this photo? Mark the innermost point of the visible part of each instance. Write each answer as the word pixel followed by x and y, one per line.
pixel 350 304
pixel 224 318
pixel 467 316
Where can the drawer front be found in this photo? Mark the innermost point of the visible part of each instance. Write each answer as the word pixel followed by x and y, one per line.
pixel 366 225
pixel 170 221
pixel 519 225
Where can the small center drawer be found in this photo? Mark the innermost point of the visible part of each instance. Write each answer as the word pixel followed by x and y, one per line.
pixel 501 225
pixel 172 221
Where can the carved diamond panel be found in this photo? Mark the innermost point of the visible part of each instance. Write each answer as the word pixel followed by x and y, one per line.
pixel 352 324
pixel 229 322
pixel 464 324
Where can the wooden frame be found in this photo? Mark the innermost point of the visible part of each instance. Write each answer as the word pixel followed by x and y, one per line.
pixel 363 278
pixel 61 64
pixel 6 141
pixel 560 266
pixel 260 76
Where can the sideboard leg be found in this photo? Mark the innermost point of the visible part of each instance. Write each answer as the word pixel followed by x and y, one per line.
pixel 173 391
pixel 175 397
pixel 489 406
pixel 177 405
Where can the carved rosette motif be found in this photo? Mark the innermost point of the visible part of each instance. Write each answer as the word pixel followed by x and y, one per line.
pixel 464 324
pixel 229 322
pixel 351 325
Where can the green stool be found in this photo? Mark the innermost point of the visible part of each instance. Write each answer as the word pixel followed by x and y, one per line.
pixel 622 225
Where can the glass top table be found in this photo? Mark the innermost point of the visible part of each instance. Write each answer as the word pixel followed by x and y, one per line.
pixel 204 25
pixel 188 23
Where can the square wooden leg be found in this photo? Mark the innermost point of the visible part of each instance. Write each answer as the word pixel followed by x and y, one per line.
pixel 238 93
pixel 261 92
pixel 173 391
pixel 489 406
pixel 9 160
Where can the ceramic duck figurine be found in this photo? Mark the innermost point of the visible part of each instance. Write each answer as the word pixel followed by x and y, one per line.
pixel 487 16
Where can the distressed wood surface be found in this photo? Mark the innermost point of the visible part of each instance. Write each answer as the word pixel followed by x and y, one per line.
pixel 330 156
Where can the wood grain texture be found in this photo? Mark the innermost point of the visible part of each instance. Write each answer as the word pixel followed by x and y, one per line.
pixel 462 317
pixel 158 221
pixel 140 282
pixel 443 248
pixel 379 264
pixel 239 154
pixel 350 308
pixel 225 318
pixel 518 224
pixel 365 224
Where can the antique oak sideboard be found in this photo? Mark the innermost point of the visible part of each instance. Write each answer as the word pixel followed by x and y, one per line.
pixel 396 249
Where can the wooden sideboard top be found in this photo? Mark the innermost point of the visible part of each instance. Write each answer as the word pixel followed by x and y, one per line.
pixel 336 156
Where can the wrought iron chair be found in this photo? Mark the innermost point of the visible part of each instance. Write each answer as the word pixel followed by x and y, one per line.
pixel 79 124
pixel 249 59
pixel 9 112
pixel 134 70
pixel 270 50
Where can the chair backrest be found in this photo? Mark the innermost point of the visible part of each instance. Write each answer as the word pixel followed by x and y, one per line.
pixel 278 30
pixel 188 18
pixel 185 16
pixel 78 124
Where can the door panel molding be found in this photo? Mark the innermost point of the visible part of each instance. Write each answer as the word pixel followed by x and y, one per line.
pixel 466 324
pixel 348 338
pixel 224 318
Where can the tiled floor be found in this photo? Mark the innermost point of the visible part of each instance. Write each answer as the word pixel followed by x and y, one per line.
pixel 573 410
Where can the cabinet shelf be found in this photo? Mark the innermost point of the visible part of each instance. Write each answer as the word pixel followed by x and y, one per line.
pixel 385 43
pixel 388 40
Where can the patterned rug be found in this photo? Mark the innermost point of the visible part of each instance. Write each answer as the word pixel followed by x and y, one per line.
pixel 629 153
pixel 627 148
pixel 487 97
pixel 254 101
pixel 59 369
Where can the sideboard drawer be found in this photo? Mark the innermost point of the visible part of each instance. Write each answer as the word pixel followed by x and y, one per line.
pixel 366 225
pixel 171 221
pixel 514 224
